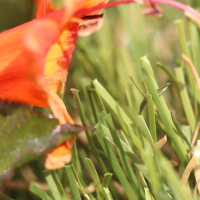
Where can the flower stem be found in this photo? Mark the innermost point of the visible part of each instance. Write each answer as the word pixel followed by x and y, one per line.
pixel 171 3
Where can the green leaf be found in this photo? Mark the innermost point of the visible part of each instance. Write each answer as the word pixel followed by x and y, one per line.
pixel 27 134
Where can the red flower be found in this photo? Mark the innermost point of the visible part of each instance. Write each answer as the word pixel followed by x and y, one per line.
pixel 35 57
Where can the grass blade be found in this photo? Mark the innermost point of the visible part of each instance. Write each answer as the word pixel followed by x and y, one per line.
pixel 39 192
pixel 53 186
pixel 95 177
pixel 123 157
pixel 185 98
pixel 82 116
pixel 112 103
pixel 178 144
pixel 72 182
pixel 116 167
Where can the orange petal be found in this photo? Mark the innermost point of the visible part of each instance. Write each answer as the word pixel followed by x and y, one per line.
pixel 22 70
pixel 59 110
pixel 59 57
pixel 22 59
pixel 60 156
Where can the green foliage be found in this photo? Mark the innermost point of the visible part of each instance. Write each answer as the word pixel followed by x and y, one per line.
pixel 27 134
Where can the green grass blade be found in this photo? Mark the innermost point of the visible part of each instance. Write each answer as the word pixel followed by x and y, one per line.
pixel 142 126
pixel 112 103
pixel 148 195
pixel 170 75
pixel 78 180
pixel 152 118
pixel 123 157
pixel 185 98
pixel 77 163
pixel 83 120
pixel 95 177
pixel 154 176
pixel 138 164
pixel 173 181
pixel 178 144
pixel 160 91
pixel 107 194
pixel 98 100
pixel 184 46
pixel 72 182
pixel 116 167
pixel 92 102
pixel 59 185
pixel 142 179
pixel 53 186
pixel 106 179
pixel 195 41
pixel 136 85
pixel 39 192
pixel 180 131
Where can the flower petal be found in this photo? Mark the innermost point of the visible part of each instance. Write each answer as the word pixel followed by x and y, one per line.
pixel 60 156
pixel 90 25
pixel 22 61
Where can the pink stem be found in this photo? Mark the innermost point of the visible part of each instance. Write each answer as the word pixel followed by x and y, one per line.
pixel 178 5
pixel 171 3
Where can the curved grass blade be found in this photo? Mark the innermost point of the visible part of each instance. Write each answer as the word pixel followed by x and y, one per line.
pixel 39 192
pixel 136 85
pixel 53 186
pixel 72 182
pixel 180 131
pixel 160 91
pixel 169 74
pixel 95 177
